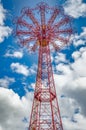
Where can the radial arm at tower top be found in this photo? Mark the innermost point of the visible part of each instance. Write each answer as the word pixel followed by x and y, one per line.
pixel 54 15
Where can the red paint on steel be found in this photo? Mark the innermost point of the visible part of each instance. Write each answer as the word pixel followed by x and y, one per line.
pixel 42 34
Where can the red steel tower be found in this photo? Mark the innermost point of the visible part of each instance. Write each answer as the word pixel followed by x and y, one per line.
pixel 44 28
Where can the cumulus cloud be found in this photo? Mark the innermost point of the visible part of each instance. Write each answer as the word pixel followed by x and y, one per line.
pixel 80 39
pixel 14 112
pixel 5 31
pixel 60 58
pixel 23 69
pixel 76 123
pixel 2 14
pixel 73 76
pixel 33 69
pixel 80 62
pixel 19 68
pixel 6 81
pixel 71 92
pixel 14 54
pixel 75 8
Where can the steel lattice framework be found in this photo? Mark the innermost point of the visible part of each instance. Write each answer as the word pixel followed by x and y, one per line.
pixel 44 28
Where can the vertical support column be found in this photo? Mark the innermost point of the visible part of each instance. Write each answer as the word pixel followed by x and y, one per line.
pixel 45 111
pixel 35 114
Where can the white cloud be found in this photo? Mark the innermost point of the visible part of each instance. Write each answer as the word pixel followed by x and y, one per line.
pixel 72 79
pixel 78 123
pixel 23 69
pixel 15 54
pixel 73 98
pixel 83 34
pixel 80 62
pixel 80 39
pixel 60 58
pixel 76 55
pixel 6 81
pixel 5 31
pixel 33 69
pixel 2 15
pixel 75 8
pixel 19 68
pixel 13 110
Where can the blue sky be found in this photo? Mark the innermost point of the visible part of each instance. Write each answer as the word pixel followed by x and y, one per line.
pixel 18 69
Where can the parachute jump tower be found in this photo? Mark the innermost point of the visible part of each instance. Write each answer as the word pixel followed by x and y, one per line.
pixel 44 28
